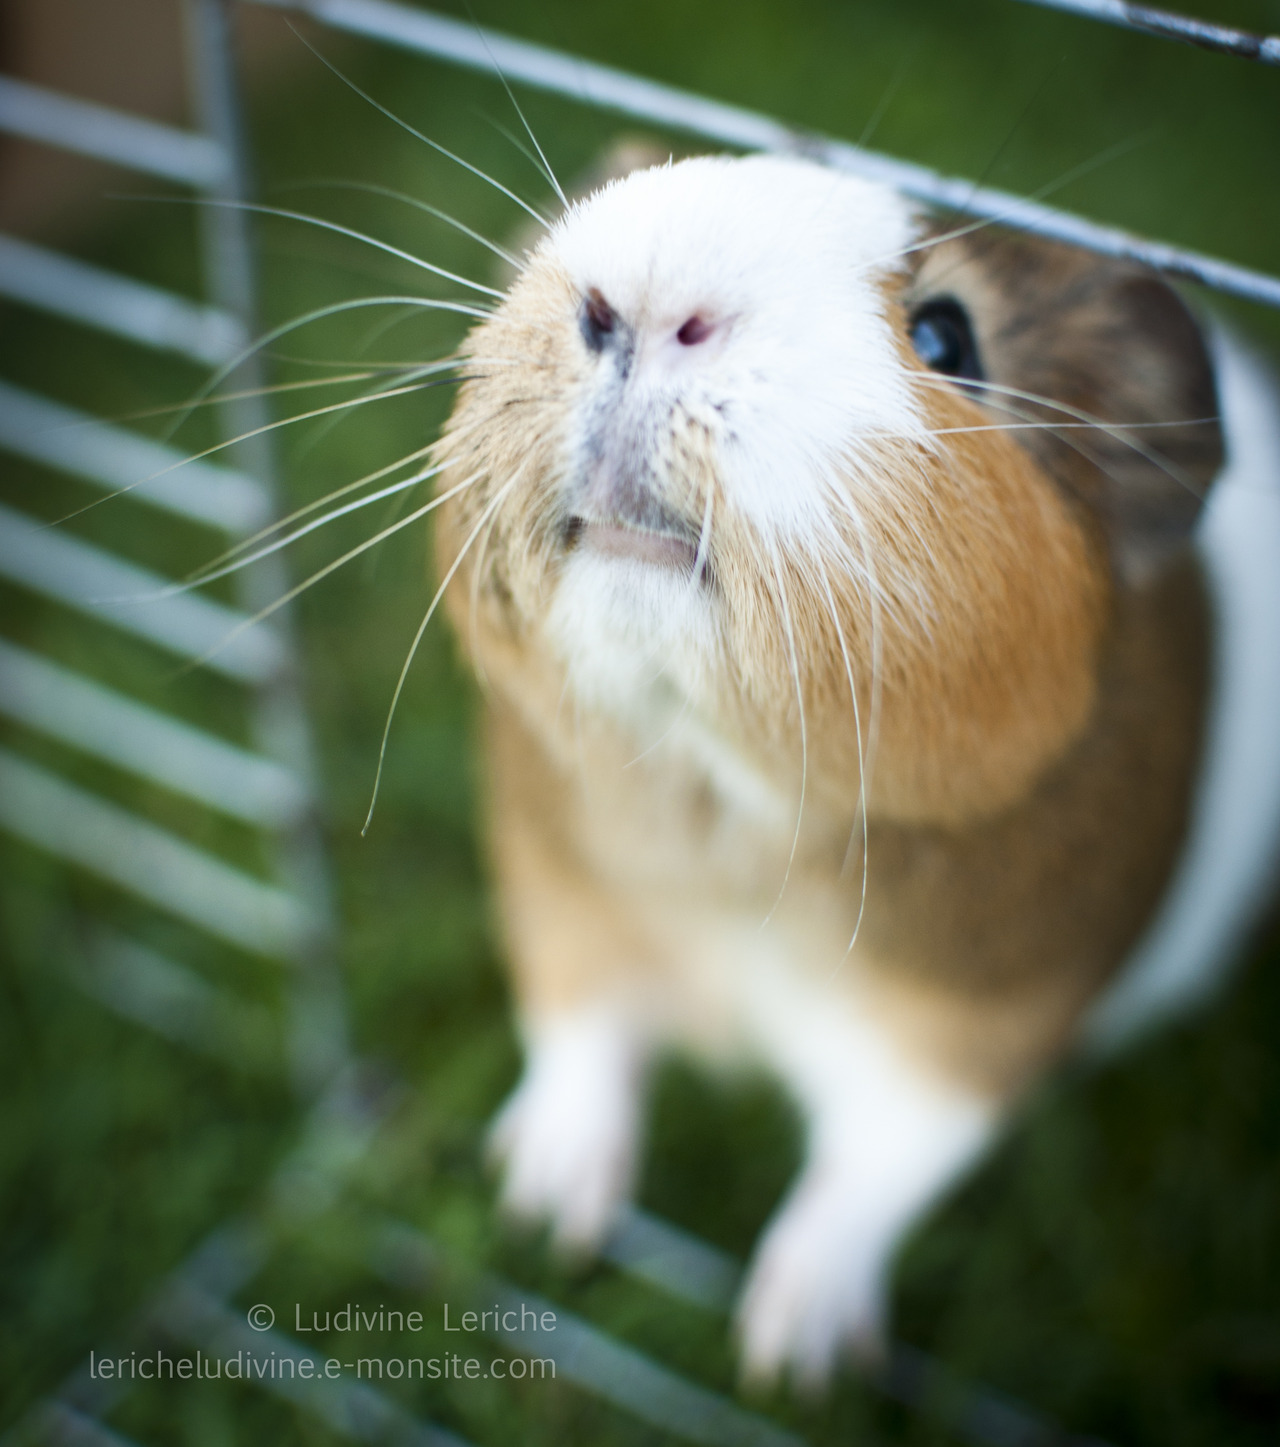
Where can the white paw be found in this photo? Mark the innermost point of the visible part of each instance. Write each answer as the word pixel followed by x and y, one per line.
pixel 885 1138
pixel 567 1136
pixel 816 1287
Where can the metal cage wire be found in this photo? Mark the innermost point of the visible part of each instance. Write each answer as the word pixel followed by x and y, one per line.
pixel 287 917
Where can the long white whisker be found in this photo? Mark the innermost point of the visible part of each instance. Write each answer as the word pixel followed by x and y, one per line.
pixel 493 60
pixel 381 327
pixel 490 509
pixel 426 140
pixel 384 246
pixel 245 544
pixel 319 314
pixel 1057 427
pixel 369 366
pixel 354 506
pixel 535 157
pixel 861 818
pixel 244 437
pixel 473 615
pixel 984 222
pixel 508 134
pixel 876 608
pixel 374 190
pixel 1112 430
pixel 411 379
pixel 332 567
pixel 409 457
pixel 886 100
pixel 704 541
pixel 804 737
pixel 242 395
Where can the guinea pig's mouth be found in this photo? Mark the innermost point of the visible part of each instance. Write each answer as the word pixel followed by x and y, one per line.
pixel 667 547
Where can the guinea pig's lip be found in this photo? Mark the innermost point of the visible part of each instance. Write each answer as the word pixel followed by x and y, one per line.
pixel 616 539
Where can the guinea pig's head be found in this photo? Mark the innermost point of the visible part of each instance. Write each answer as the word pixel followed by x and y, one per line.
pixel 743 438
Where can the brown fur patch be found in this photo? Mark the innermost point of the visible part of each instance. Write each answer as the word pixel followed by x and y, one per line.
pixel 992 587
pixel 1076 339
pixel 1036 718
pixel 999 933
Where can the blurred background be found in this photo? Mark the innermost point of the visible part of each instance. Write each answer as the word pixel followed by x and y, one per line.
pixel 1114 1269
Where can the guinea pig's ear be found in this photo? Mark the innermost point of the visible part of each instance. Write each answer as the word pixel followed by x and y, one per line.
pixel 1110 367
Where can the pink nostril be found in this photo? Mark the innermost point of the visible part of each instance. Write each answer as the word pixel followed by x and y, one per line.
pixel 695 330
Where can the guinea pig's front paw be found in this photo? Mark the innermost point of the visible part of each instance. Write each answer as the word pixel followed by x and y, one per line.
pixel 815 1290
pixel 567 1136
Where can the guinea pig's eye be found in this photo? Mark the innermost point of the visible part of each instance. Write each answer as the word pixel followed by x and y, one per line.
pixel 597 320
pixel 943 339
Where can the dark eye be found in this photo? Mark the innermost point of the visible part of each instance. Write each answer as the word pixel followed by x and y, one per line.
pixel 943 339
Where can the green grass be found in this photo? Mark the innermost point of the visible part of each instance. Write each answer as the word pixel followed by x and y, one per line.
pixel 1116 1265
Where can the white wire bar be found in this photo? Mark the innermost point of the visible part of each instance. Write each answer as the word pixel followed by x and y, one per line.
pixel 586 1356
pixel 609 89
pixel 692 1270
pixel 60 1424
pixel 49 699
pixel 338 1131
pixel 44 279
pixel 351 1409
pixel 149 989
pixel 319 1046
pixel 106 134
pixel 123 462
pixel 1225 39
pixel 147 861
pixel 654 1251
pixel 76 573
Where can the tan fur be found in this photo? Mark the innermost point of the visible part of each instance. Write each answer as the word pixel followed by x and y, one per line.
pixel 979 945
pixel 1079 339
pixel 993 590
pixel 994 936
pixel 1037 711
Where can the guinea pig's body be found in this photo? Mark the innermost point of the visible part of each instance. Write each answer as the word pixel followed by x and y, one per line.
pixel 848 667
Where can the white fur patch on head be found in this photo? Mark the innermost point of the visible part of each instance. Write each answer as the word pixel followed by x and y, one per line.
pixel 734 361
pixel 782 259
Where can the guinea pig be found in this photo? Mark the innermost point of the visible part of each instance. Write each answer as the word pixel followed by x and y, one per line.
pixel 852 661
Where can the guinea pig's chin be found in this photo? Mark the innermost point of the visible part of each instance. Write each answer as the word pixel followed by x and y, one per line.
pixel 624 625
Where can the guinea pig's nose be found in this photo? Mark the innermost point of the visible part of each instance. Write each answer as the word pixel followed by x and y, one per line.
pixel 598 320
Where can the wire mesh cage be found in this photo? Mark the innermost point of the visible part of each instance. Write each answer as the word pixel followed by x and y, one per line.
pixel 159 776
